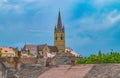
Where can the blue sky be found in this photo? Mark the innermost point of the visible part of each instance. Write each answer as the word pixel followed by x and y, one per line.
pixel 91 25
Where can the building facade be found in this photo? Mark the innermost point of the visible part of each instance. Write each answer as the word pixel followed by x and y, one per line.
pixel 41 50
pixel 7 52
pixel 59 35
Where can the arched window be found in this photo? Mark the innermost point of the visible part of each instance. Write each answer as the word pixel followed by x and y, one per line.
pixel 61 37
pixel 56 37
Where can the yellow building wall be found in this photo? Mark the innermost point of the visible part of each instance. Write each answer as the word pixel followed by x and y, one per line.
pixel 46 49
pixel 58 42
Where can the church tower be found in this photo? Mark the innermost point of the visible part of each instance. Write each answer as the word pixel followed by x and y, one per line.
pixel 59 35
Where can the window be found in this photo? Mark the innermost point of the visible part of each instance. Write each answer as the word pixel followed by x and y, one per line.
pixel 55 38
pixel 62 37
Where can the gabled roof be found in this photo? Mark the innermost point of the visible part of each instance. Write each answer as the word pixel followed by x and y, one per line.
pixel 53 48
pixel 30 47
pixel 41 47
pixel 36 48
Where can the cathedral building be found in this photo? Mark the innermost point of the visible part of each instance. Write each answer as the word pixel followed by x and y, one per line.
pixel 59 35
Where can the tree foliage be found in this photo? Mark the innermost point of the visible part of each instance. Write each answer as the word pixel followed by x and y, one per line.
pixel 28 52
pixel 0 53
pixel 112 57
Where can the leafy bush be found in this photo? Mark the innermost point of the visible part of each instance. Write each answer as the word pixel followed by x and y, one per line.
pixel 0 53
pixel 112 57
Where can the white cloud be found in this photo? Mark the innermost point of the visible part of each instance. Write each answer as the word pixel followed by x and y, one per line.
pixel 101 3
pixel 6 6
pixel 21 6
pixel 9 7
pixel 114 16
pixel 29 1
pixel 3 1
pixel 98 22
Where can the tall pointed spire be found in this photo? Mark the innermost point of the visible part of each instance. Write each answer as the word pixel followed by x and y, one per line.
pixel 59 27
pixel 55 29
pixel 59 23
pixel 59 34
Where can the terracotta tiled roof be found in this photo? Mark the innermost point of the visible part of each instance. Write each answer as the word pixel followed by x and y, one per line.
pixel 6 50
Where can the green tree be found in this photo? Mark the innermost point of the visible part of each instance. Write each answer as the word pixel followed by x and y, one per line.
pixel 28 52
pixel 111 57
pixel 0 53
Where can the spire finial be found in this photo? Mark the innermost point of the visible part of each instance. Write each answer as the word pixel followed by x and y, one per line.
pixel 59 23
pixel 59 9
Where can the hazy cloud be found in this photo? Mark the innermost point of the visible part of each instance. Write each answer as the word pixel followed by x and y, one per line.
pixel 88 23
pixel 38 31
pixel 114 16
pixel 99 22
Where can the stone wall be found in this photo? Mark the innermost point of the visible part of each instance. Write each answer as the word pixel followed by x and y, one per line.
pixel 30 60
pixel 64 58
